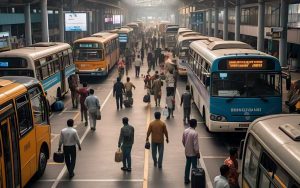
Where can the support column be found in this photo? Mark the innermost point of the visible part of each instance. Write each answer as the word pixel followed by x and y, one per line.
pixel 209 22
pixel 204 29
pixel 216 29
pixel 225 21
pixel 101 19
pixel 96 21
pixel 28 34
pixel 261 25
pixel 45 27
pixel 61 23
pixel 237 20
pixel 283 38
pixel 90 25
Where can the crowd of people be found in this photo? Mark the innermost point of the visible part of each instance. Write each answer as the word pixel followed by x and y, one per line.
pixel 165 72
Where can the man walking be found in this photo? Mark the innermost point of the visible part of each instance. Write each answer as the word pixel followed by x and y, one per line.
pixel 128 88
pixel 118 91
pixel 191 145
pixel 157 129
pixel 137 64
pixel 232 163
pixel 221 181
pixel 69 138
pixel 186 100
pixel 156 87
pixel 150 60
pixel 92 104
pixel 126 140
pixel 83 92
pixel 73 81
pixel 142 54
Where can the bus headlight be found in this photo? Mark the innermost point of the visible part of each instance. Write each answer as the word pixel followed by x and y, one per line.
pixel 214 117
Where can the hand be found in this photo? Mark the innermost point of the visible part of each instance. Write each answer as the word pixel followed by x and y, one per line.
pixel 198 155
pixel 167 140
pixel 147 139
pixel 79 148
pixel 59 150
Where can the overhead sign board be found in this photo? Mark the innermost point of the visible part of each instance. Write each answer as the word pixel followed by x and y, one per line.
pixel 76 21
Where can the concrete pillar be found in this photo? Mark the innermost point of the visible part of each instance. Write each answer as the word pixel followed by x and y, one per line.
pixel 237 20
pixel 225 21
pixel 90 26
pixel 101 19
pixel 45 27
pixel 261 25
pixel 61 23
pixel 28 34
pixel 209 22
pixel 96 21
pixel 283 38
pixel 216 29
pixel 204 24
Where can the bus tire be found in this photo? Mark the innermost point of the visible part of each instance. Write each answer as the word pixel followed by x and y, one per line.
pixel 43 158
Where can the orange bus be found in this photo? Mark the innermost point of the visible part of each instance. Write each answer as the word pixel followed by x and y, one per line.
pixel 25 134
pixel 96 55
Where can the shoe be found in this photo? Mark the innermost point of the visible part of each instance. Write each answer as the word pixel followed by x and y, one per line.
pixel 160 166
pixel 168 117
pixel 128 169
pixel 124 168
pixel 86 124
pixel 155 164
pixel 187 182
pixel 71 175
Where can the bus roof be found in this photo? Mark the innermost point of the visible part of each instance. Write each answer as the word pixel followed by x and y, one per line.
pixel 11 86
pixel 183 29
pixel 215 48
pixel 133 24
pixel 284 149
pixel 190 33
pixel 36 51
pixel 199 37
pixel 125 30
pixel 98 37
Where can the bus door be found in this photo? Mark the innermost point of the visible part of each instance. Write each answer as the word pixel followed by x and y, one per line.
pixel 9 155
pixel 62 73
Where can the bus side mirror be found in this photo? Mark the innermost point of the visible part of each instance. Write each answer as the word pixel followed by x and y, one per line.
pixel 241 149
pixel 288 82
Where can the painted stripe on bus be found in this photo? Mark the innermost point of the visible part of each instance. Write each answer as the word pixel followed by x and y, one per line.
pixel 70 70
pixel 51 81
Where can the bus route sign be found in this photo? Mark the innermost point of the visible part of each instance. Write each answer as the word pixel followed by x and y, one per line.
pixel 248 64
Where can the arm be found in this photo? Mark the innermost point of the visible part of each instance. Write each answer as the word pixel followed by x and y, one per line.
pixel 120 138
pixel 60 141
pixel 85 103
pixel 181 101
pixel 77 140
pixel 133 85
pixel 196 144
pixel 183 139
pixel 114 90
pixel 149 132
pixel 98 103
pixel 166 133
pixel 132 135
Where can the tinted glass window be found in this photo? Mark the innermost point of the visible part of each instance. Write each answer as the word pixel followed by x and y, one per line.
pixel 24 115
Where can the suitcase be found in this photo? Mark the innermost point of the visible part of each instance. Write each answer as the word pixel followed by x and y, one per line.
pixel 146 98
pixel 58 157
pixel 127 103
pixel 198 178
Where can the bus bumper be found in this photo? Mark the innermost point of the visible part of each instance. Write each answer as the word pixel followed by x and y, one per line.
pixel 92 73
pixel 218 126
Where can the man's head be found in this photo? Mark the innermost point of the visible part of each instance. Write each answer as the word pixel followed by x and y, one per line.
pixel 125 120
pixel 118 79
pixel 92 91
pixel 224 170
pixel 157 115
pixel 193 123
pixel 187 87
pixel 233 152
pixel 70 122
pixel 156 72
pixel 128 79
pixel 84 84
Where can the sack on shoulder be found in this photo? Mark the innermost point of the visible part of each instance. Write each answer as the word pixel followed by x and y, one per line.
pixel 118 155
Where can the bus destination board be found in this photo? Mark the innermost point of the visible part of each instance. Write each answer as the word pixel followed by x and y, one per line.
pixel 245 64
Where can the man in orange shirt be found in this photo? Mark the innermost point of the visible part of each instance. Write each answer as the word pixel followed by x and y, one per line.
pixel 232 163
pixel 158 129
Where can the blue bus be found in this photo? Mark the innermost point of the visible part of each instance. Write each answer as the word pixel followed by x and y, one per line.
pixel 233 84
pixel 50 63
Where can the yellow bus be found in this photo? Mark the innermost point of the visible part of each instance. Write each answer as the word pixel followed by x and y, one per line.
pixel 96 55
pixel 25 134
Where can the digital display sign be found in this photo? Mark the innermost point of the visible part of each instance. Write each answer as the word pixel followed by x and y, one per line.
pixel 88 45
pixel 75 21
pixel 123 37
pixel 3 64
pixel 245 64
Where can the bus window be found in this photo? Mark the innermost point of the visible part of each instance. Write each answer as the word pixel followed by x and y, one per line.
pixel 38 106
pixel 45 73
pixel 24 115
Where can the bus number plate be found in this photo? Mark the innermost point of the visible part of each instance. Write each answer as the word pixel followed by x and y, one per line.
pixel 244 125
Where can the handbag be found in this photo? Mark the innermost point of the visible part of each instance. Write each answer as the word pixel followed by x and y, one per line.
pixel 58 157
pixel 147 145
pixel 118 155
pixel 165 112
pixel 98 114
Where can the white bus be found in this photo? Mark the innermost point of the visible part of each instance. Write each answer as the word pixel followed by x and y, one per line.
pixel 50 63
pixel 271 156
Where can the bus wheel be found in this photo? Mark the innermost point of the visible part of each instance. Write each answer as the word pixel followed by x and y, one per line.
pixel 42 163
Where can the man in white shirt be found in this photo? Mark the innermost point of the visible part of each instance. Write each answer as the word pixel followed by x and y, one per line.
pixel 137 64
pixel 92 104
pixel 191 145
pixel 69 138
pixel 221 180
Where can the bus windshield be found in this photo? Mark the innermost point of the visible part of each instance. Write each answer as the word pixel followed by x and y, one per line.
pixel 246 84
pixel 88 55
pixel 17 72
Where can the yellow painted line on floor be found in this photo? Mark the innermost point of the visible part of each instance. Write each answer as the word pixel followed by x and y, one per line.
pixel 76 116
pixel 146 163
pixel 54 163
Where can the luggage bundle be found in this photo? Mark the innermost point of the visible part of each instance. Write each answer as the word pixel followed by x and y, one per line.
pixel 146 98
pixel 128 102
